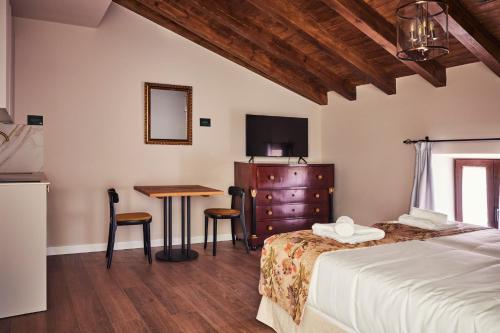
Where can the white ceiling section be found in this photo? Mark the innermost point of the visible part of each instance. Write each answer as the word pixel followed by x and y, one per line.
pixel 87 13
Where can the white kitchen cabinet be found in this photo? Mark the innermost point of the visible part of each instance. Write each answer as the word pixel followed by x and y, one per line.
pixel 23 244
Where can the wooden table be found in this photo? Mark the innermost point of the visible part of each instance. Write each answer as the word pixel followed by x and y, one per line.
pixel 167 193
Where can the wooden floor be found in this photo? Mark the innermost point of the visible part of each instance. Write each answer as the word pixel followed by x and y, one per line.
pixel 206 295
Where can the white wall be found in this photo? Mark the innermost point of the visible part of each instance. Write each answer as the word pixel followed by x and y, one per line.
pixel 88 85
pixel 374 170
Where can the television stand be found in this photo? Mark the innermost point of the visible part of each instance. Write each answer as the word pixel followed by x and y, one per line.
pixel 303 160
pixel 251 160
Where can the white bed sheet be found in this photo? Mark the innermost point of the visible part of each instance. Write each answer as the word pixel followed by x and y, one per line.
pixel 447 284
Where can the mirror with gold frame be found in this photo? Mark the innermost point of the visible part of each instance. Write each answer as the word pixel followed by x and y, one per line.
pixel 168 114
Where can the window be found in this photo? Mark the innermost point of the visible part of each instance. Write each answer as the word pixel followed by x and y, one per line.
pixel 477 184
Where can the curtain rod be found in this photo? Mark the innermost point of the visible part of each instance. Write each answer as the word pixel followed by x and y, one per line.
pixel 426 139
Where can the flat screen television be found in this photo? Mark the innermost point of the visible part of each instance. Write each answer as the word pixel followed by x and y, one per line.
pixel 276 136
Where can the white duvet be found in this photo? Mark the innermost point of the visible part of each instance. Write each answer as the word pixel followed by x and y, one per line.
pixel 446 284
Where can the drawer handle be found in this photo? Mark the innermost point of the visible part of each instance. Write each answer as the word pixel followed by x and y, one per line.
pixel 320 177
pixel 317 210
pixel 293 209
pixel 269 212
pixel 316 195
pixel 295 173
pixel 269 197
pixel 293 194
pixel 269 227
pixel 271 177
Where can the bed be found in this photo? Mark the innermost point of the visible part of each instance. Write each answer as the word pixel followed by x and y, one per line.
pixel 431 283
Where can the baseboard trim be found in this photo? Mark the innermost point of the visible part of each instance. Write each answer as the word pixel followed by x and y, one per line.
pixel 99 247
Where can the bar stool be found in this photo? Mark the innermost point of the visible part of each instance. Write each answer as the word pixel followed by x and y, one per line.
pixel 125 219
pixel 228 214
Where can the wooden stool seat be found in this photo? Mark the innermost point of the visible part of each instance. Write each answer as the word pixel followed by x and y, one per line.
pixel 133 217
pixel 221 213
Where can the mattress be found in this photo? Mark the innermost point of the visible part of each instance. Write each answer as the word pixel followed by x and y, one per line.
pixel 447 284
pixel 271 314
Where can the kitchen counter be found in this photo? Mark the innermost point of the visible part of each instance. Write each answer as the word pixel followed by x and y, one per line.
pixel 24 177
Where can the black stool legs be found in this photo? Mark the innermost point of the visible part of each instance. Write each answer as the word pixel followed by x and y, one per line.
pixel 233 234
pixel 147 241
pixel 146 232
pixel 111 245
pixel 110 232
pixel 206 232
pixel 214 244
pixel 245 235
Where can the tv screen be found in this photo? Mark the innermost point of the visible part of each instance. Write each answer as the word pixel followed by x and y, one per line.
pixel 276 136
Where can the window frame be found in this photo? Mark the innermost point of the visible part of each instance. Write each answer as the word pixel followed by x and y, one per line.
pixel 492 182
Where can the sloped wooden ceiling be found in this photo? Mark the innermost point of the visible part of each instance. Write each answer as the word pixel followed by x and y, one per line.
pixel 315 46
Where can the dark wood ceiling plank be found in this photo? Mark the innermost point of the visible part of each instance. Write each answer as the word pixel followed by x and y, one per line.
pixel 296 39
pixel 224 43
pixel 290 14
pixel 375 26
pixel 468 31
pixel 233 16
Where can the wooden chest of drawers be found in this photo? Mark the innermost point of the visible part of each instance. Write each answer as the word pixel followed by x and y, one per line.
pixel 283 198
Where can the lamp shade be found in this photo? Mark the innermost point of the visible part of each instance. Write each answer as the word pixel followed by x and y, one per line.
pixel 422 29
pixel 5 117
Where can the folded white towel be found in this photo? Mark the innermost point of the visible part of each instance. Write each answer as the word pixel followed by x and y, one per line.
pixel 344 226
pixel 429 215
pixel 330 227
pixel 344 229
pixel 361 233
pixel 425 224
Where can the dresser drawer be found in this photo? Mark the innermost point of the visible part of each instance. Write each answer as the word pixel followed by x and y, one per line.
pixel 296 176
pixel 292 210
pixel 273 177
pixel 270 197
pixel 269 227
pixel 317 177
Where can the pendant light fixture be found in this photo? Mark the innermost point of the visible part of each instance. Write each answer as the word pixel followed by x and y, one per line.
pixel 422 27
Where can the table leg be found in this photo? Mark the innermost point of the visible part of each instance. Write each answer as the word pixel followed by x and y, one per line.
pixel 167 232
pixel 183 210
pixel 182 254
pixel 169 227
pixel 189 227
pixel 165 224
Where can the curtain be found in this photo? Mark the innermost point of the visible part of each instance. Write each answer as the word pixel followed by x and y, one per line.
pixel 422 195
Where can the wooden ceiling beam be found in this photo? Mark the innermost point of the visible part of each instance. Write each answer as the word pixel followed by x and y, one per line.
pixel 225 43
pixel 289 14
pixel 376 27
pixel 471 34
pixel 233 16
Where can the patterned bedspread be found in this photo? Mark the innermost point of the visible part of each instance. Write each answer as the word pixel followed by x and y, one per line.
pixel 288 259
